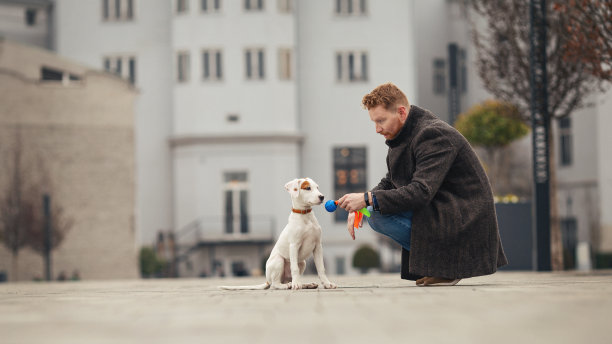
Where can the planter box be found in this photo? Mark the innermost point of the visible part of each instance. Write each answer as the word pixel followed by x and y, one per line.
pixel 515 229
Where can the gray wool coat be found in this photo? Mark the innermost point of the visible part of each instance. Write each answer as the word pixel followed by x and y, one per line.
pixel 433 171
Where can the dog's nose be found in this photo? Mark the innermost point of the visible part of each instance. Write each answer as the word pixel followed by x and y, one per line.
pixel 321 198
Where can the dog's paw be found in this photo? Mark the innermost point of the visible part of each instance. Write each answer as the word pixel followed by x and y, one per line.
pixel 330 285
pixel 296 285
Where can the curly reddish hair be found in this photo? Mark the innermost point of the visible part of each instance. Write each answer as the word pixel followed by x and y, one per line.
pixel 388 95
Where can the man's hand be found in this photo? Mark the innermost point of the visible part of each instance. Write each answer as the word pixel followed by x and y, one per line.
pixel 352 202
pixel 350 225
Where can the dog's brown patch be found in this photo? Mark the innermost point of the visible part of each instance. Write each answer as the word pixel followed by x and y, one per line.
pixel 305 185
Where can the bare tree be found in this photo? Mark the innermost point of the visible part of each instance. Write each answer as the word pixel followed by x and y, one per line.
pixel 502 61
pixel 16 210
pixel 588 34
pixel 21 203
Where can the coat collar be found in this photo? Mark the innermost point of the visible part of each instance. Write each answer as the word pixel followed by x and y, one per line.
pixel 413 116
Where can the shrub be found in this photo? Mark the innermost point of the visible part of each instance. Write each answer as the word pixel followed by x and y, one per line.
pixel 150 265
pixel 366 258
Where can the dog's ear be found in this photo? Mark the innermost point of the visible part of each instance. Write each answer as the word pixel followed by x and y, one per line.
pixel 293 187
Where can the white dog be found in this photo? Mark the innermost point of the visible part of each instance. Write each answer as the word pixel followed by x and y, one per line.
pixel 298 240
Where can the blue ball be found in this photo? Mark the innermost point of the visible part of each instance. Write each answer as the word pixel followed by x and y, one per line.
pixel 330 206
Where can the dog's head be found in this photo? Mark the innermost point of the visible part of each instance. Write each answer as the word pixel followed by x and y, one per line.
pixel 304 191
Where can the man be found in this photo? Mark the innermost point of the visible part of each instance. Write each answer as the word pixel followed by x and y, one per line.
pixel 435 200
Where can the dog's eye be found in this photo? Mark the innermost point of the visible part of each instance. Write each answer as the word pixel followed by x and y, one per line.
pixel 308 188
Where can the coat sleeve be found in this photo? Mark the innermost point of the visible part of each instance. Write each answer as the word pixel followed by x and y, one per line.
pixel 385 184
pixel 434 154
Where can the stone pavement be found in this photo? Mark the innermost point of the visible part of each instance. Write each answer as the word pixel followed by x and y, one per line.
pixel 507 307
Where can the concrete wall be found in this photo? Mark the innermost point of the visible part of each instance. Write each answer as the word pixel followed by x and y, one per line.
pixel 78 140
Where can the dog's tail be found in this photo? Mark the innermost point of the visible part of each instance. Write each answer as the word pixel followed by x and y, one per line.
pixel 246 287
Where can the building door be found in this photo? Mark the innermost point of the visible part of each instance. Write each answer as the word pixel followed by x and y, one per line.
pixel 236 203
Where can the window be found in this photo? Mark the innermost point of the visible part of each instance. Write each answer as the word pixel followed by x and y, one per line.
pixel 351 66
pixel 439 76
pixel 182 6
pixel 285 6
pixel 284 64
pixel 349 174
pixel 253 5
pixel 30 16
pixel 569 230
pixel 350 7
pixel 236 202
pixel 118 10
pixel 210 6
pixel 182 64
pixel 49 74
pixel 123 66
pixel 254 63
pixel 212 68
pixel 56 75
pixel 565 141
pixel 340 265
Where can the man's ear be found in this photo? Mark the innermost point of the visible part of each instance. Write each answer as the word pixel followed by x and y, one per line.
pixel 402 112
pixel 293 187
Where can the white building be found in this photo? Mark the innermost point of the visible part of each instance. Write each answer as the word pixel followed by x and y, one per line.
pixel 237 97
pixel 132 39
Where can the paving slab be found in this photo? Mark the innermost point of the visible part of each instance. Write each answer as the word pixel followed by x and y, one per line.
pixel 506 307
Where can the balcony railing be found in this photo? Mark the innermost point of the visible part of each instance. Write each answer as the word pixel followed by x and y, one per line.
pixel 219 230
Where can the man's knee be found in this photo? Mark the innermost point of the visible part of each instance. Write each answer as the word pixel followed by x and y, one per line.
pixel 374 221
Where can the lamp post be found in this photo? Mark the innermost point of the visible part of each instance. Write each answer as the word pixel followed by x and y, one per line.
pixel 47 236
pixel 540 121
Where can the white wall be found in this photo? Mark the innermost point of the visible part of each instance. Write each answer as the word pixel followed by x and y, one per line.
pixel 604 141
pixel 199 180
pixel 83 36
pixel 201 107
pixel 13 25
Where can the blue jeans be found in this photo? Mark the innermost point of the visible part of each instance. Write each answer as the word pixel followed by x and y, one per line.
pixel 395 226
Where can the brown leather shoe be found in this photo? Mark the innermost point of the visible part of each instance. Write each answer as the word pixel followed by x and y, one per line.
pixel 436 281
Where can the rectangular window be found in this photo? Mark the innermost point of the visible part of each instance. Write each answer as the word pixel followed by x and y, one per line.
pixel 182 6
pixel 340 265
pixel 212 65
pixel 285 6
pixel 349 174
pixel 236 202
pixel 352 66
pixel 253 5
pixel 132 70
pixel 351 7
pixel 439 76
pixel 117 10
pixel 115 65
pixel 182 64
pixel 569 237
pixel 284 64
pixel 210 6
pixel 30 16
pixel 255 64
pixel 565 141
pixel 48 74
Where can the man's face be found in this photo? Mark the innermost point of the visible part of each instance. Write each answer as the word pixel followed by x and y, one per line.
pixel 388 122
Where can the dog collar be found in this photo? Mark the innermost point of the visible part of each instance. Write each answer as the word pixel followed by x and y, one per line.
pixel 297 211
